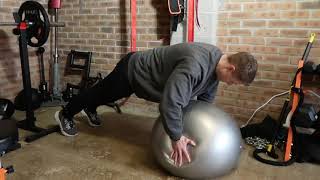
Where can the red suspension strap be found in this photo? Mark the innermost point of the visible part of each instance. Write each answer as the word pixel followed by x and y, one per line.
pixel 133 6
pixel 133 11
pixel 190 20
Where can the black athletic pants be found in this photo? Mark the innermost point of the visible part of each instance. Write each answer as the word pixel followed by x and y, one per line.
pixel 113 87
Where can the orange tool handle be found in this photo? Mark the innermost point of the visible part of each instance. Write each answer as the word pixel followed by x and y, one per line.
pixel 296 97
pixel 3 174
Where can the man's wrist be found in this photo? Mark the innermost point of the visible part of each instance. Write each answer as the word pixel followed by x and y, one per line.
pixel 177 138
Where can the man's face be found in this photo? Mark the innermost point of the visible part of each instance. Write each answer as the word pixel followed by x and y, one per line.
pixel 228 76
pixel 232 80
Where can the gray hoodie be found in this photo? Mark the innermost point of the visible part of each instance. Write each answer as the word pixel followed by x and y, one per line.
pixel 172 76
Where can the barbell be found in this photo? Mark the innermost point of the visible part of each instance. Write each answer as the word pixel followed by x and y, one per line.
pixel 54 24
pixel 36 18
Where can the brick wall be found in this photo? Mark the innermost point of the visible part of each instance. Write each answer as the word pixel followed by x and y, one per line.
pixel 276 32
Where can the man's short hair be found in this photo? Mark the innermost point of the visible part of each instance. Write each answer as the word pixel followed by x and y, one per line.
pixel 246 66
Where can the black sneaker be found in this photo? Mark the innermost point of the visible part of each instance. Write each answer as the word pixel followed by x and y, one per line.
pixel 93 118
pixel 67 125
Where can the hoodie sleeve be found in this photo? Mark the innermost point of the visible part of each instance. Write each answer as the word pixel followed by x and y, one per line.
pixel 177 94
pixel 210 93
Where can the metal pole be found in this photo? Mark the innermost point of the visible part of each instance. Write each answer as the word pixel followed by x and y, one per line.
pixel 23 47
pixel 56 75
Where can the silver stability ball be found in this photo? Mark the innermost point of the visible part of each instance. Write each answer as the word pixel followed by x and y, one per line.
pixel 217 137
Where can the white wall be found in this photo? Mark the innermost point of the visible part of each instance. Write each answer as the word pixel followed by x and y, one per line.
pixel 208 16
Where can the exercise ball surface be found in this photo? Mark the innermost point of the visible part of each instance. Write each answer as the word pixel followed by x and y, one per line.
pixel 217 137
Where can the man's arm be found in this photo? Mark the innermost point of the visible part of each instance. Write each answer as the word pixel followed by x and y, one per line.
pixel 176 95
pixel 210 93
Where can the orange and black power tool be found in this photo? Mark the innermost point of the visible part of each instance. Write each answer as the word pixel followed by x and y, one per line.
pixel 4 171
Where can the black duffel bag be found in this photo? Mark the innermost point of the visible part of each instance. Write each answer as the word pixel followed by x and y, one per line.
pixel 308 148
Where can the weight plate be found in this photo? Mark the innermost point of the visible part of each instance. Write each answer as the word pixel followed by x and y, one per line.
pixel 36 16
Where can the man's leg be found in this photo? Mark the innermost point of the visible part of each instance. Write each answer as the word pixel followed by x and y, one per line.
pixel 111 88
pixel 109 94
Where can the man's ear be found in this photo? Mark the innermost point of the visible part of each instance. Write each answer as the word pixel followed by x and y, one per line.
pixel 231 67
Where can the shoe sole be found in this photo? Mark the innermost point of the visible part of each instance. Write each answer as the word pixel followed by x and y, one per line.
pixel 56 117
pixel 88 119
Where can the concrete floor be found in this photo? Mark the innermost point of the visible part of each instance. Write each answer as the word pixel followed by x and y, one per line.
pixel 117 150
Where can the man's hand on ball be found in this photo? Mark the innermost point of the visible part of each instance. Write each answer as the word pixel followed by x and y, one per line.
pixel 180 150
